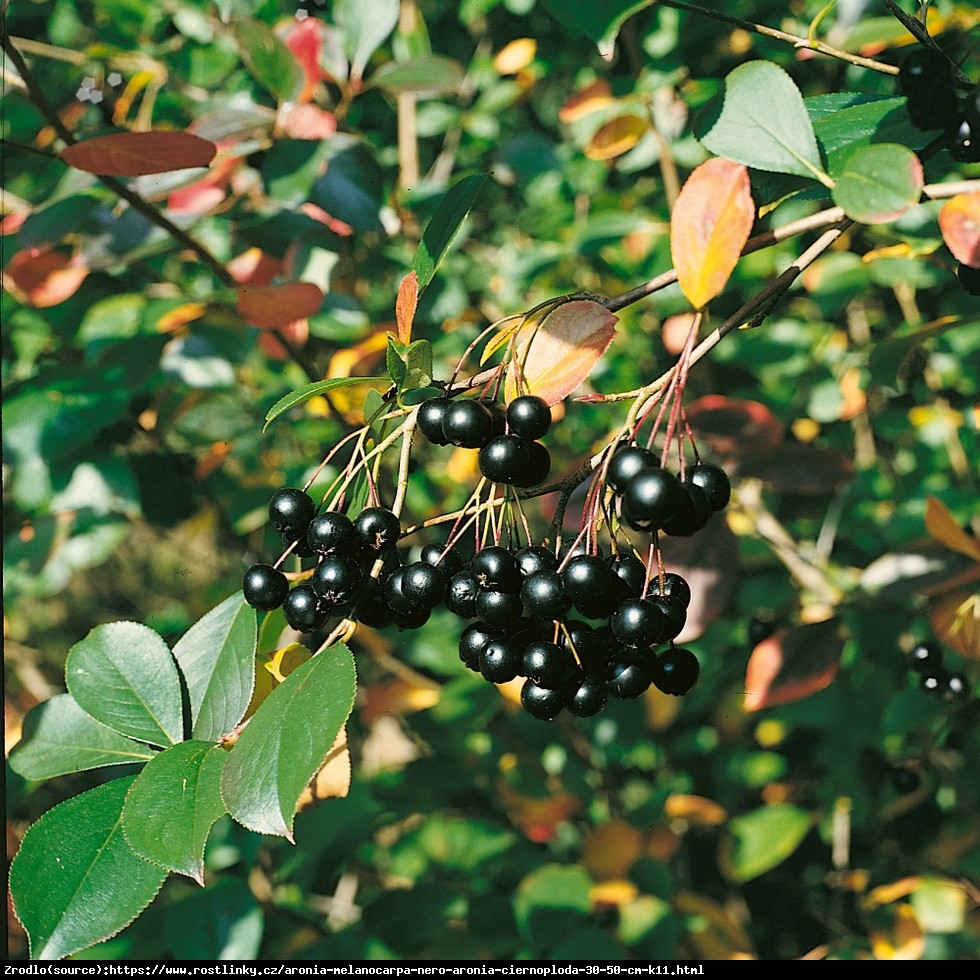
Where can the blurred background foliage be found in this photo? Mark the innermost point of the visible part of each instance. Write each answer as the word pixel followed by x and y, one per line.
pixel 136 472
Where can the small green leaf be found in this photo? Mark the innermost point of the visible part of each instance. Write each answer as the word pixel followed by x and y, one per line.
pixel 366 26
pixel 270 62
pixel 940 905
pixel 395 362
pixel 287 740
pixel 551 903
pixel 598 20
pixel 758 118
pixel 763 838
pixel 307 392
pixel 223 922
pixel 217 658
pixel 423 77
pixel 172 805
pixel 443 225
pixel 75 880
pixel 879 183
pixel 59 737
pixel 124 676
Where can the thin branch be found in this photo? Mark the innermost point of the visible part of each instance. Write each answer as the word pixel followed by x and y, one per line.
pixel 796 40
pixel 921 33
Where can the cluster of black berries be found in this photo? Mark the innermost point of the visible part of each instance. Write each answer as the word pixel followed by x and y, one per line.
pixel 927 661
pixel 506 438
pixel 654 499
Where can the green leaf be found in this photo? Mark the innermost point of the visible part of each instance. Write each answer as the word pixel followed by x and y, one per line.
pixel 270 62
pixel 307 392
pixel 758 118
pixel 365 27
pixel 443 225
pixel 598 20
pixel 423 77
pixel 217 659
pixel 172 805
pixel 879 183
pixel 223 922
pixel 59 737
pixel 75 880
pixel 287 740
pixel 551 903
pixel 763 838
pixel 124 676
pixel 395 362
pixel 940 905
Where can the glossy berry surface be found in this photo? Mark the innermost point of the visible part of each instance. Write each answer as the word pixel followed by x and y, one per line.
pixel 377 527
pixel 692 512
pixel 430 419
pixel 637 624
pixel 589 697
pixel 472 641
pixel 625 463
pixel 587 578
pixel 926 657
pixel 264 587
pixel 504 459
pixel 461 595
pixel 675 613
pixel 540 702
pixel 336 578
pixel 495 568
pixel 964 145
pixel 291 510
pixel 468 424
pixel 547 664
pixel 652 497
pixel 303 610
pixel 630 573
pixel 331 531
pixel 543 595
pixel 528 416
pixel 500 609
pixel 627 677
pixel 535 558
pixel 675 671
pixel 673 586
pixel 713 480
pixel 424 585
pixel 500 661
pixel 538 466
pixel 926 80
pixel 448 559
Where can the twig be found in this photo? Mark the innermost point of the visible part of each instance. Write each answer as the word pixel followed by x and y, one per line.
pixel 795 39
pixel 921 33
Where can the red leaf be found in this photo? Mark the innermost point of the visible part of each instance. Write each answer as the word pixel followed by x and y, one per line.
pixel 959 221
pixel 305 40
pixel 135 154
pixel 405 304
pixel 793 664
pixel 709 227
pixel 254 268
pixel 560 353
pixel 279 305
pixel 733 426
pixel 797 468
pixel 708 560
pixel 44 277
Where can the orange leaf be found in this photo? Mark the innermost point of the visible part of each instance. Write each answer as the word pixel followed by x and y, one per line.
pixel 44 277
pixel 614 138
pixel 405 303
pixel 792 664
pixel 942 526
pixel 254 268
pixel 611 849
pixel 537 817
pixel 709 227
pixel 305 40
pixel 560 353
pixel 955 620
pixel 586 101
pixel 332 779
pixel 697 811
pixel 134 154
pixel 279 305
pixel 959 221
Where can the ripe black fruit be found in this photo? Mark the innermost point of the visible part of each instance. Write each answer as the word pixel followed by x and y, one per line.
pixel 675 671
pixel 448 559
pixel 498 608
pixel 625 463
pixel 461 595
pixel 692 513
pixel 377 527
pixel 535 558
pixel 964 145
pixel 675 613
pixel 540 702
pixel 543 595
pixel 291 510
pixel 468 424
pixel 926 80
pixel 638 624
pixel 430 418
pixel 424 585
pixel 630 572
pixel 264 587
pixel 547 664
pixel 332 531
pixel 926 657
pixel 472 641
pixel 651 498
pixel 500 661
pixel 504 459
pixel 627 676
pixel 589 697
pixel 713 480
pixel 674 586
pixel 538 466
pixel 587 580
pixel 529 416
pixel 336 578
pixel 495 568
pixel 303 610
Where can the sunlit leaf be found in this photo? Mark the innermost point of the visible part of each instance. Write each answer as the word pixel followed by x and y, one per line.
pixel 278 305
pixel 515 56
pixel 616 137
pixel 405 304
pixel 134 154
pixel 552 902
pixel 959 221
pixel 585 101
pixel 75 880
pixel 365 27
pixel 423 77
pixel 763 838
pixel 942 526
pixel 758 118
pixel 709 227
pixel 792 664
pixel 557 355
pixel 697 811
pixel 44 277
pixel 879 183
pixel 955 620
pixel 172 805
pixel 270 62
pixel 332 779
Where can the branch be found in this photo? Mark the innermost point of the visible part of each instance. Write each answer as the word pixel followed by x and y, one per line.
pixel 921 33
pixel 796 40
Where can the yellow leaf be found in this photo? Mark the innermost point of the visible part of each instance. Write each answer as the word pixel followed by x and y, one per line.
pixel 332 779
pixel 955 619
pixel 286 660
pixel 180 315
pixel 698 811
pixel 515 56
pixel 507 327
pixel 618 892
pixel 585 101
pixel 616 137
pixel 709 227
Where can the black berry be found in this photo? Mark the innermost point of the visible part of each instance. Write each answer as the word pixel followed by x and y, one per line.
pixel 675 671
pixel 713 480
pixel 303 609
pixel 336 578
pixel 504 459
pixel 625 463
pixel 540 702
pixel 926 657
pixel 331 531
pixel 529 417
pixel 430 418
pixel 377 527
pixel 424 585
pixel 495 568
pixel 651 498
pixel 589 697
pixel 291 510
pixel 468 424
pixel 264 587
pixel 638 624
